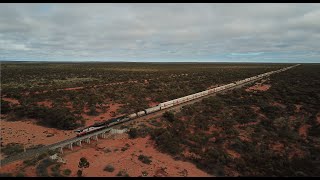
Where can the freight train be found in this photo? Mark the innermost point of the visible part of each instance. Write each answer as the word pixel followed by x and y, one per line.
pixel 168 104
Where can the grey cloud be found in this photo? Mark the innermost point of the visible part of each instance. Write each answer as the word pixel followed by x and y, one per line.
pixel 157 30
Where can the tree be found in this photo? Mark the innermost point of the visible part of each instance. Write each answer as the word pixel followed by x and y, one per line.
pixel 169 116
pixel 133 133
pixel 5 107
pixel 82 164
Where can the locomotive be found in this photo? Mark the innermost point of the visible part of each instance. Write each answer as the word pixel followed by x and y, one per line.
pixel 168 104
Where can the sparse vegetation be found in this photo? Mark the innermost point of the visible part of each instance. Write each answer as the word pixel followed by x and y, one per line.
pixel 251 123
pixel 145 159
pixel 133 133
pixel 109 168
pixel 246 133
pixel 41 169
pixel 12 149
pixel 67 172
pixel 123 173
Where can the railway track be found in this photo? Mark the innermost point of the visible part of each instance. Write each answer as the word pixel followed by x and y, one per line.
pixel 35 152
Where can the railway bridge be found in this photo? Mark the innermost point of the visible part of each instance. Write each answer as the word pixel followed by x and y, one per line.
pixel 87 138
pixel 69 143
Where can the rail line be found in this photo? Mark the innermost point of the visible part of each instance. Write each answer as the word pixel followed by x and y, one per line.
pixel 104 131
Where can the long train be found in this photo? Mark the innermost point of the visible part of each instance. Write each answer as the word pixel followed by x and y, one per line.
pixel 171 103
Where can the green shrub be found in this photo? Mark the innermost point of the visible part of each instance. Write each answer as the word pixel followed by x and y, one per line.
pixel 168 116
pixel 144 159
pixel 109 168
pixel 67 172
pixel 123 173
pixel 12 149
pixel 133 133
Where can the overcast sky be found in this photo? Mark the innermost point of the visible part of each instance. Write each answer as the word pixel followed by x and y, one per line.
pixel 160 32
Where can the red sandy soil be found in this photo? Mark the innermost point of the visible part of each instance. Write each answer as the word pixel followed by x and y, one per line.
pixel 11 100
pixel 45 103
pixel 71 89
pixel 151 103
pixel 12 167
pixel 258 87
pixel 292 118
pixel 101 117
pixel 277 147
pixel 244 135
pixel 295 152
pixel 15 167
pixel 278 104
pixel 212 129
pixel 298 108
pixel 186 153
pixel 255 108
pixel 184 118
pixel 247 124
pixel 128 159
pixel 232 153
pixel 303 131
pixel 318 118
pixel 28 133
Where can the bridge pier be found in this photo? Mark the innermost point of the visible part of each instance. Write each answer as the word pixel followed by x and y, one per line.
pixel 103 135
pixel 61 150
pixel 79 143
pixel 87 141
pixel 70 146
pixel 95 137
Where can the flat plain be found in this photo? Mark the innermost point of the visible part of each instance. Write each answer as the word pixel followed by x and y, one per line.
pixel 271 127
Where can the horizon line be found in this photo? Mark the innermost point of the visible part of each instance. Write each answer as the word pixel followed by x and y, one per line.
pixel 79 61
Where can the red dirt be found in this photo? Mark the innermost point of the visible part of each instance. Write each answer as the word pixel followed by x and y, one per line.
pixel 186 153
pixel 298 108
pixel 71 89
pixel 212 129
pixel 278 104
pixel 152 104
pixel 28 133
pixel 45 103
pixel 255 108
pixel 278 147
pixel 244 135
pixel 296 152
pixel 303 131
pixel 318 118
pixel 247 124
pixel 127 159
pixel 292 118
pixel 11 100
pixel 12 168
pixel 258 87
pixel 232 153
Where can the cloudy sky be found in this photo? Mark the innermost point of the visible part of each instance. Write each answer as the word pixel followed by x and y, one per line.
pixel 160 32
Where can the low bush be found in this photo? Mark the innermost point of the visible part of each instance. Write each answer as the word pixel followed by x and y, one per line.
pixel 144 159
pixel 109 168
